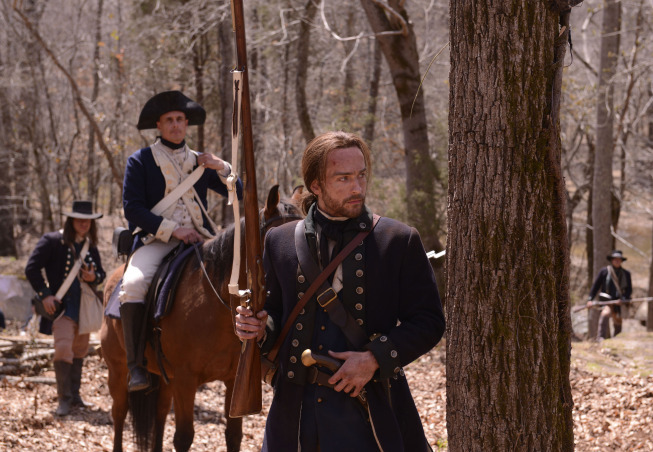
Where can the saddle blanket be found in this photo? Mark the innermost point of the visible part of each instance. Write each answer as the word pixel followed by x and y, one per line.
pixel 165 293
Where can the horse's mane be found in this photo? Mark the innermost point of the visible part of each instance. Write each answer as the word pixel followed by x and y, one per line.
pixel 219 251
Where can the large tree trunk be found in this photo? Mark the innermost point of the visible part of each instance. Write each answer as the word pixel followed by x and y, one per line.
pixel 508 322
pixel 93 171
pixel 200 55
pixel 602 181
pixel 7 200
pixel 370 120
pixel 400 52
pixel 303 48
pixel 649 312
pixel 226 63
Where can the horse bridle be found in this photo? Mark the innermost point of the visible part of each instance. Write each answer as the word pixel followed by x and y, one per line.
pixel 264 226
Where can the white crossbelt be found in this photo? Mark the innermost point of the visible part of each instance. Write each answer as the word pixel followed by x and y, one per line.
pixel 172 197
pixel 73 272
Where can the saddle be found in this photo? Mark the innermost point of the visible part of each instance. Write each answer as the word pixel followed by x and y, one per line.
pixel 162 291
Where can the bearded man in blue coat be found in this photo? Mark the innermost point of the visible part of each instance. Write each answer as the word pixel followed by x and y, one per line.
pixel 386 286
pixel 151 174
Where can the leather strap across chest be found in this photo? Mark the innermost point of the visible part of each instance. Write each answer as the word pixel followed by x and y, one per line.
pixel 327 297
pixel 319 279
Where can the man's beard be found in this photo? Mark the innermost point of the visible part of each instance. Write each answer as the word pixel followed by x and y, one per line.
pixel 335 209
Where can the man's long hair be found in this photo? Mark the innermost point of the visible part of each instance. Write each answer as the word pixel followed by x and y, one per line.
pixel 69 233
pixel 315 158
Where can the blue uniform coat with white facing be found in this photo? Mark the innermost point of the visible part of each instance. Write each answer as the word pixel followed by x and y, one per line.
pixel 57 259
pixel 144 186
pixel 390 289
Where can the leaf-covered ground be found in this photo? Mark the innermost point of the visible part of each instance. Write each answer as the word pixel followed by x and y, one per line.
pixel 612 387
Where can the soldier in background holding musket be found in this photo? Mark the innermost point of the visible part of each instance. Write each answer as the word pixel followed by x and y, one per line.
pixel 614 281
pixel 380 312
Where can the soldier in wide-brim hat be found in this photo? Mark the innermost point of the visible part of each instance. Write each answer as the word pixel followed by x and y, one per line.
pixel 55 254
pixel 150 175
pixel 612 283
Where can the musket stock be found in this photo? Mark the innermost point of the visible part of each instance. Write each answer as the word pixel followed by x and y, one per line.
pixel 246 396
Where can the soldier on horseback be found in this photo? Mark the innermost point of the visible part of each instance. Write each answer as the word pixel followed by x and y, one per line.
pixel 165 200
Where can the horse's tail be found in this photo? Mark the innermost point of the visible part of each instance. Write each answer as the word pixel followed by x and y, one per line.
pixel 143 407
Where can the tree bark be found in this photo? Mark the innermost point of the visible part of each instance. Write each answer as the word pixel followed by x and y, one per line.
pixel 226 63
pixel 303 49
pixel 602 185
pixel 400 52
pixel 370 120
pixel 508 321
pixel 93 173
pixel 199 59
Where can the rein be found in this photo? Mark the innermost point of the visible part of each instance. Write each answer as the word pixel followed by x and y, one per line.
pixel 206 275
pixel 265 225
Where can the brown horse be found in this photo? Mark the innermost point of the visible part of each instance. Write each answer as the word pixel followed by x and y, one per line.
pixel 198 342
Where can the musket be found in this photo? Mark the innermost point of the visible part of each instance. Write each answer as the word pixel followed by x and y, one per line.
pixel 611 302
pixel 246 397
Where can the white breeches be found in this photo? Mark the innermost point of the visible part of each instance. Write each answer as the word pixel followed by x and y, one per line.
pixel 141 268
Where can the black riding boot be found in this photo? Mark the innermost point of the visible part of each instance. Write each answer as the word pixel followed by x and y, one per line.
pixel 64 394
pixel 131 315
pixel 76 383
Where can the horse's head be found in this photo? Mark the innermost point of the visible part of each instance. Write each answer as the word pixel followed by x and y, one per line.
pixel 277 211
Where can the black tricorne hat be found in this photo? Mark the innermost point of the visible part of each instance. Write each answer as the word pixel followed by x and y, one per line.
pixel 168 101
pixel 616 254
pixel 83 210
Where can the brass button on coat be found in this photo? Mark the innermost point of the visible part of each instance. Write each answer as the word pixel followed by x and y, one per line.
pixel 300 295
pixel 359 307
pixel 358 256
pixel 383 338
pixel 359 321
pixel 301 279
pixel 291 374
pixel 359 290
pixel 295 343
pixel 393 353
pixel 293 359
pixel 299 326
pixel 359 273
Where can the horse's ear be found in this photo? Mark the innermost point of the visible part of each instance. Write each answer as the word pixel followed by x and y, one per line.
pixel 273 200
pixel 297 193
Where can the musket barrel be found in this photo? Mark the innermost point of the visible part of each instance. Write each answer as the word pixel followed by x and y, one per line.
pixel 247 397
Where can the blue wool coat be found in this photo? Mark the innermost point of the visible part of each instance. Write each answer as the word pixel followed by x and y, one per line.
pixel 144 186
pixel 390 289
pixel 57 259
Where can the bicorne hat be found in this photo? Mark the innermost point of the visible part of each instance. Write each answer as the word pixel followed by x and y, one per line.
pixel 83 210
pixel 616 254
pixel 166 102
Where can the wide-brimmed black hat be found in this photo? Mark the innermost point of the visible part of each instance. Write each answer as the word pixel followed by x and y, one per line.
pixel 168 101
pixel 616 254
pixel 83 210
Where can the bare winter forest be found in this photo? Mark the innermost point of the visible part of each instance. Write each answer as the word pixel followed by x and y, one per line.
pixel 517 135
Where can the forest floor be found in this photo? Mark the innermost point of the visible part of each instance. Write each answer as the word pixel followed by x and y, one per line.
pixel 612 385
